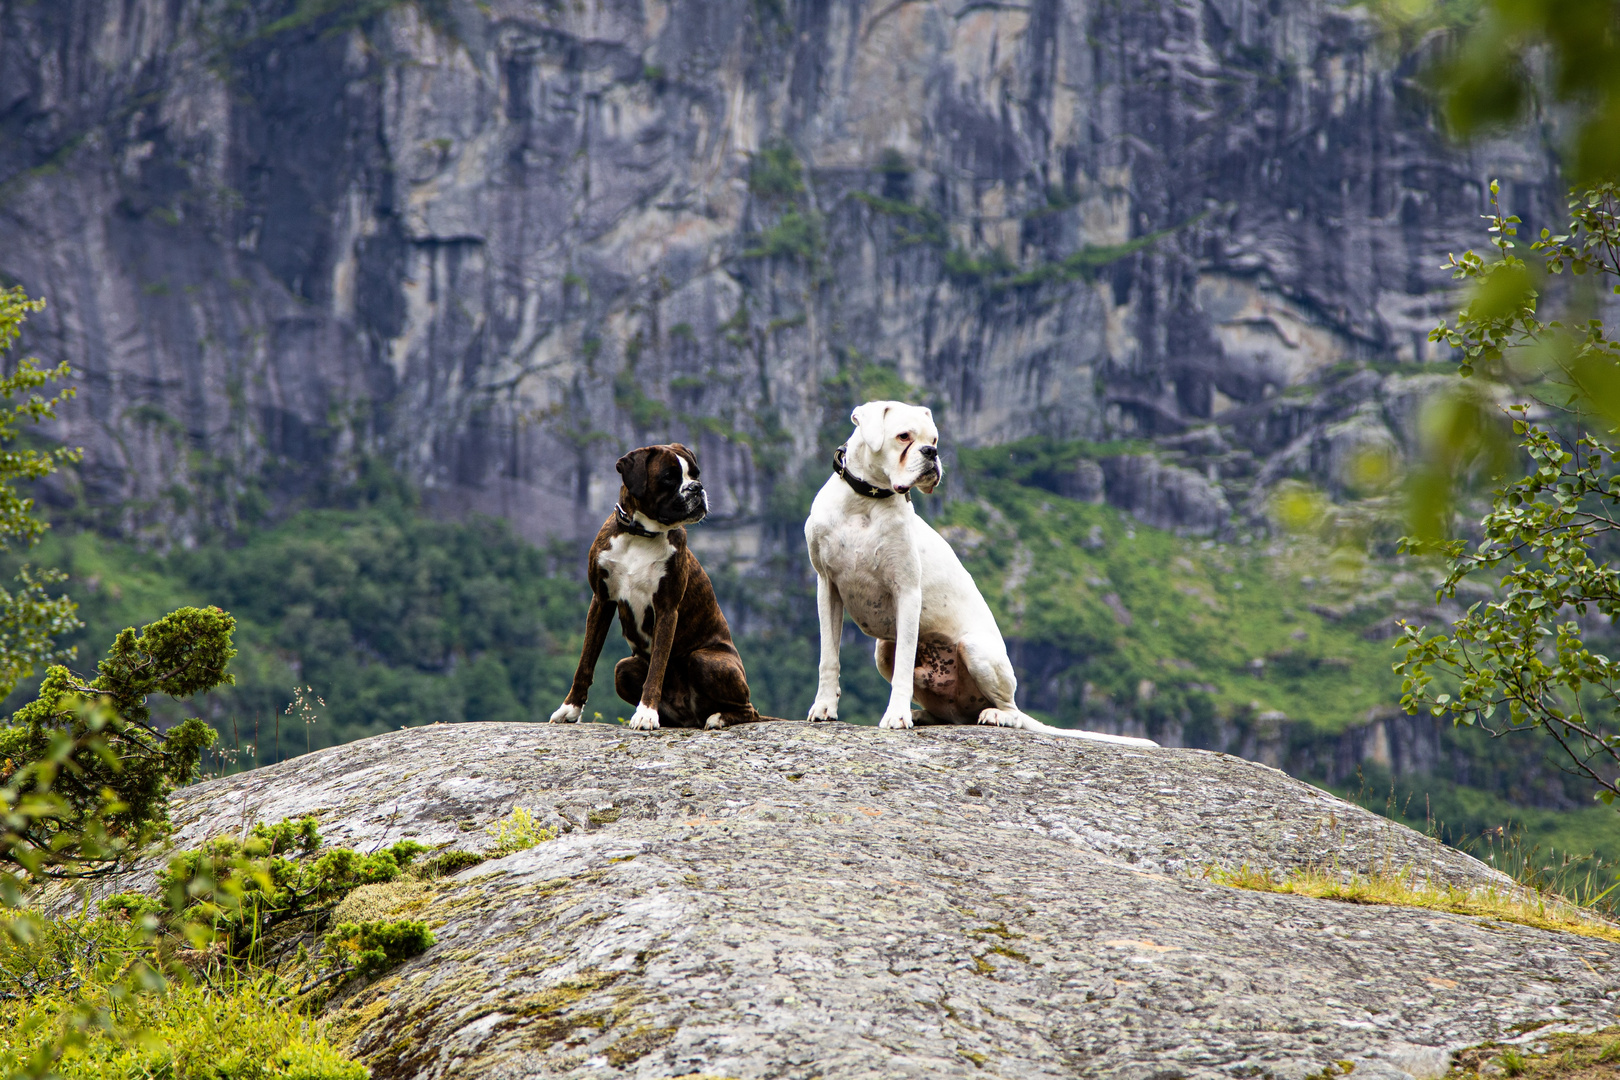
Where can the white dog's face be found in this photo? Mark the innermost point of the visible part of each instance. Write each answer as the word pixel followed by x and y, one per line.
pixel 895 445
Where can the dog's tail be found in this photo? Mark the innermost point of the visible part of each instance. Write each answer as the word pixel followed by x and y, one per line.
pixel 1032 724
pixel 754 717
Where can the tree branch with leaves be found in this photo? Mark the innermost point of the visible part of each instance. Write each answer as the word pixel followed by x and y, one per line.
pixel 1531 657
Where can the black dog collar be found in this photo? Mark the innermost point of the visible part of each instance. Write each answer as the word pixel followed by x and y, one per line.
pixel 630 524
pixel 859 486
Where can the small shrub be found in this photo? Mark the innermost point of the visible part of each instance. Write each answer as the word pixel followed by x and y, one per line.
pixel 367 948
pixel 518 832
pixel 1513 1063
pixel 449 862
pixel 795 236
pixel 234 894
pixel 133 906
pixel 125 787
pixel 340 870
pixel 282 837
pixel 776 172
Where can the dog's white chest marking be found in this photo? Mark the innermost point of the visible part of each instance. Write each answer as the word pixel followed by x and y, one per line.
pixel 868 563
pixel 634 566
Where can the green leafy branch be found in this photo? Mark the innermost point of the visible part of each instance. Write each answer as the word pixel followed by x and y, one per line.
pixel 122 782
pixel 1524 657
pixel 1523 660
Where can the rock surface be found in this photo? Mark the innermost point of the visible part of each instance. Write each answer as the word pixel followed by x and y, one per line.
pixel 496 243
pixel 789 900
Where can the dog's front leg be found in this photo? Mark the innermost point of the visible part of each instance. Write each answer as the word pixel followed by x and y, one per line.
pixel 830 609
pixel 907 614
pixel 652 691
pixel 596 631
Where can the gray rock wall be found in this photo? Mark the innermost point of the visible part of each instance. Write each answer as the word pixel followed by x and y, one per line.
pixel 495 244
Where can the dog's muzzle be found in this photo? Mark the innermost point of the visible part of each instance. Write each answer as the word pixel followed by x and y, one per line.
pixel 932 472
pixel 697 506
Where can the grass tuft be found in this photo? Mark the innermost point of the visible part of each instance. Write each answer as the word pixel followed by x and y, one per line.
pixel 1404 889
pixel 1559 1056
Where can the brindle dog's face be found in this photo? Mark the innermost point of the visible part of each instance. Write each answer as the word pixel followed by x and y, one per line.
pixel 662 483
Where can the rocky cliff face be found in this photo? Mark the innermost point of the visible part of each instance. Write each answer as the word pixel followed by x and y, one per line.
pixel 494 244
pixel 793 900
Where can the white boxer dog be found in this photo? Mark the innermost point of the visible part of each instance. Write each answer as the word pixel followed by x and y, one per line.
pixel 937 641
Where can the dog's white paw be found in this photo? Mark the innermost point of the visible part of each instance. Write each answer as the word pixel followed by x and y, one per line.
pixel 824 710
pixel 645 719
pixel 1002 718
pixel 714 722
pixel 896 718
pixel 567 714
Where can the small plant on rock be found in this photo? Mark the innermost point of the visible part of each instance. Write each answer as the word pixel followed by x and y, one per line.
pixel 367 948
pixel 244 901
pixel 1513 1063
pixel 519 831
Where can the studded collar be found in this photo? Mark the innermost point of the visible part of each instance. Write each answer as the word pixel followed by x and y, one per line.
pixel 859 486
pixel 630 524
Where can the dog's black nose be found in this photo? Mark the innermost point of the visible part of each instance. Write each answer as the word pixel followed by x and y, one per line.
pixel 929 452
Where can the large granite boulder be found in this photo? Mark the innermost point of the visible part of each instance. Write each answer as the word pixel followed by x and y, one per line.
pixel 788 900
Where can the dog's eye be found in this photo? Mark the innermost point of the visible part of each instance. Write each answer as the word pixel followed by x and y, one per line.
pixel 904 436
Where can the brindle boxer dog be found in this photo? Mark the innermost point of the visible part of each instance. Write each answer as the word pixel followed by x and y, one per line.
pixel 683 671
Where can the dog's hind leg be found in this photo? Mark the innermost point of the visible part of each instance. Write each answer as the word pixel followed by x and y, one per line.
pixel 989 667
pixel 938 684
pixel 883 657
pixel 721 685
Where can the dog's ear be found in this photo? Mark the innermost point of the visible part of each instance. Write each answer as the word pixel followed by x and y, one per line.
pixel 868 421
pixel 633 471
